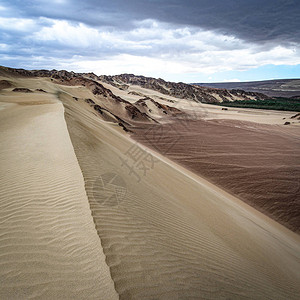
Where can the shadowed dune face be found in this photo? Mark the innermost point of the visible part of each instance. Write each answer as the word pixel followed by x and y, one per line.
pixel 258 163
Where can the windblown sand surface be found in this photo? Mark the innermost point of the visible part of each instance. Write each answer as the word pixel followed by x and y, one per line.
pixel 174 237
pixel 49 248
pixel 258 163
pixel 166 235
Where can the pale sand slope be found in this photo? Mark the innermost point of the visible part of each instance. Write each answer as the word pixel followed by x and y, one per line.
pixel 173 235
pixel 49 248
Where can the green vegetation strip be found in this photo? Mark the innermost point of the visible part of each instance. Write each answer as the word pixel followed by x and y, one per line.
pixel 287 104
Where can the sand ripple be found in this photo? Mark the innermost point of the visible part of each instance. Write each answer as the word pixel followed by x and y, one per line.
pixel 48 243
pixel 175 238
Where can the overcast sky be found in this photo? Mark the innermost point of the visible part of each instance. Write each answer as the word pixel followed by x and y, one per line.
pixel 189 41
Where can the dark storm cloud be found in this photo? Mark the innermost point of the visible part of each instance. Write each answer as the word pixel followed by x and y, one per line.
pixel 161 38
pixel 251 20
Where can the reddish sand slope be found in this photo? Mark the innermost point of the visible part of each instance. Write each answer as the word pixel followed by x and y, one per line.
pixel 258 163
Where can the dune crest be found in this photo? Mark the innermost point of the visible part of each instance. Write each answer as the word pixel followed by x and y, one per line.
pixel 49 246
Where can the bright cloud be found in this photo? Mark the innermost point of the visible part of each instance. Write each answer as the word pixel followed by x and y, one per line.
pixel 150 47
pixel 16 24
pixel 155 45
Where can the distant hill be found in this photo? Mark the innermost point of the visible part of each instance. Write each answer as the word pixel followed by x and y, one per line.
pixel 272 88
pixel 180 90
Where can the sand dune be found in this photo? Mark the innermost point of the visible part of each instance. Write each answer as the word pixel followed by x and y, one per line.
pixel 174 237
pixel 49 248
pixel 81 219
pixel 258 163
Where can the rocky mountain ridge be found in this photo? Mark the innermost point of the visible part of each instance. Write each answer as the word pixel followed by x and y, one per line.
pixel 178 90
